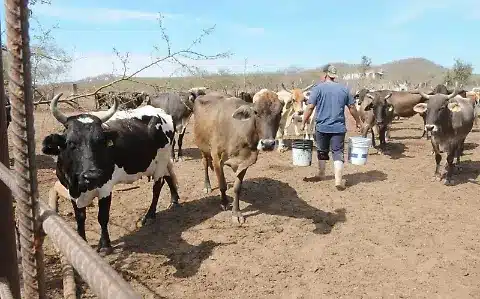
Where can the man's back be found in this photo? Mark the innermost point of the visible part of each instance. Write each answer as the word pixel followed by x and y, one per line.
pixel 330 99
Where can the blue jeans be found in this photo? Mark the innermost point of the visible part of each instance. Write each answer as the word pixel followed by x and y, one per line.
pixel 330 141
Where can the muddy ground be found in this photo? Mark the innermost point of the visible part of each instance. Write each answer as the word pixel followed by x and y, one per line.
pixel 392 234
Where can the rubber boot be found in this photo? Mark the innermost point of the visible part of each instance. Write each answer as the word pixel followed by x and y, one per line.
pixel 321 169
pixel 338 170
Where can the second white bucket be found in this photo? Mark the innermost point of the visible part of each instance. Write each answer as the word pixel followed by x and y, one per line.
pixel 358 150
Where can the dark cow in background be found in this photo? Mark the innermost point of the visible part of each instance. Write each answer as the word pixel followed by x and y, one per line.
pixel 127 99
pixel 97 152
pixel 449 118
pixel 229 131
pixel 378 111
pixel 246 96
pixel 180 106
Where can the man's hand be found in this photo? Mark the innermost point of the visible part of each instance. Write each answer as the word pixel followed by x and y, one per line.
pixel 359 125
pixel 302 126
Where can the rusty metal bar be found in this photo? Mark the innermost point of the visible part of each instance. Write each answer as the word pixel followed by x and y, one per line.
pixel 102 279
pixel 21 100
pixel 105 282
pixel 8 250
pixel 69 286
pixel 5 292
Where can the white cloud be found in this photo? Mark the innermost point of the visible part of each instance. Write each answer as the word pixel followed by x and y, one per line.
pixel 100 15
pixel 94 64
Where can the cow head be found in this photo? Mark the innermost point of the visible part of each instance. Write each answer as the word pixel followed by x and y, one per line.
pixel 381 106
pixel 437 109
pixel 296 98
pixel 83 149
pixel 360 95
pixel 265 116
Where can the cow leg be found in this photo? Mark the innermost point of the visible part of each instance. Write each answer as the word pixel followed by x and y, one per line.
pixel 157 188
pixel 173 148
pixel 104 246
pixel 206 163
pixel 237 187
pixel 373 137
pixel 438 159
pixel 173 192
pixel 381 135
pixel 449 168
pixel 80 217
pixel 222 184
pixel 180 143
pixel 459 153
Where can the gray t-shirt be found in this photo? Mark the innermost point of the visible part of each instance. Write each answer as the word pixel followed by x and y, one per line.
pixel 330 99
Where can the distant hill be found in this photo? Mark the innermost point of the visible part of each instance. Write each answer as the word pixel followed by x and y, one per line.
pixel 414 70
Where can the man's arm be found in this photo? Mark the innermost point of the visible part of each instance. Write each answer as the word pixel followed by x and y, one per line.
pixel 311 103
pixel 353 110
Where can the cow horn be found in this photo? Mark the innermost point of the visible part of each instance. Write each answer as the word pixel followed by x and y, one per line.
pixel 426 96
pixel 308 87
pixel 62 118
pixel 454 93
pixel 283 86
pixel 110 111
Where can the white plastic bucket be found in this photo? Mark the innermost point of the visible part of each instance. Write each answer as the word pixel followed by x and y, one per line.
pixel 302 152
pixel 358 150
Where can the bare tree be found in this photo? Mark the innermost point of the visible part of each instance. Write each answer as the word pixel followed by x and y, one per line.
pixel 182 58
pixel 365 65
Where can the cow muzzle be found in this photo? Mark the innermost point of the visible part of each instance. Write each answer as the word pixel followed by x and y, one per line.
pixel 431 128
pixel 89 178
pixel 266 144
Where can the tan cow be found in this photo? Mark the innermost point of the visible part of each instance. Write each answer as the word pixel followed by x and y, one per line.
pixel 229 131
pixel 294 100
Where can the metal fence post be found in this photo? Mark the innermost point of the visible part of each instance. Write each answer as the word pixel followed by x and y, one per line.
pixel 20 91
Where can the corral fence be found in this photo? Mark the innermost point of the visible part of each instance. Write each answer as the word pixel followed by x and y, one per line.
pixel 36 219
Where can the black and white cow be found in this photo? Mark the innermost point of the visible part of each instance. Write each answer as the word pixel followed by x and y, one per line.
pixel 96 152
pixel 180 106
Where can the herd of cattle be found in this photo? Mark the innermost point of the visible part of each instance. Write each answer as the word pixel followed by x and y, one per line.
pixel 94 152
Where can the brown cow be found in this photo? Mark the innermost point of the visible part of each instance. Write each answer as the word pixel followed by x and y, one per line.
pixel 450 119
pixel 377 112
pixel 229 131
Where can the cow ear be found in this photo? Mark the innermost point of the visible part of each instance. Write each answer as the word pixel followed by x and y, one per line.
pixel 369 106
pixel 192 97
pixel 110 137
pixel 53 144
pixel 454 107
pixel 420 108
pixel 244 112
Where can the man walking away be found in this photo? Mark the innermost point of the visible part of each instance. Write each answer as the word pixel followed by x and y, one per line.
pixel 330 98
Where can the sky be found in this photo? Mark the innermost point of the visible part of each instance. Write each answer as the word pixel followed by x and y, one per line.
pixel 269 34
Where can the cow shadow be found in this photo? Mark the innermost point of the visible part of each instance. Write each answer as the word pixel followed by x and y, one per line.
pixel 467 171
pixel 273 197
pixel 192 153
pixel 353 179
pixel 396 150
pixel 164 236
pixel 468 146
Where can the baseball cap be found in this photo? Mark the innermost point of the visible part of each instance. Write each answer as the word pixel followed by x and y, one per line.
pixel 330 70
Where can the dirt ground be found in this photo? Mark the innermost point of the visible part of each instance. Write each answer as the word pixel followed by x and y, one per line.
pixel 392 234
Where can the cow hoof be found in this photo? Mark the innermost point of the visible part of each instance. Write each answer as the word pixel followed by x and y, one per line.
pixel 238 218
pixel 147 221
pixel 104 251
pixel 225 207
pixel 180 159
pixel 173 205
pixel 436 178
pixel 448 182
pixel 207 190
pixel 282 149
